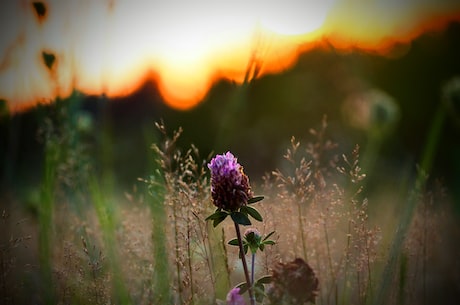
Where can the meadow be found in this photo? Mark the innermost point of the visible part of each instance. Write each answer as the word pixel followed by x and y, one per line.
pixel 83 241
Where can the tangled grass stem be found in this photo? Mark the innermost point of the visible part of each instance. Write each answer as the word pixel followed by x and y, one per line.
pixel 302 234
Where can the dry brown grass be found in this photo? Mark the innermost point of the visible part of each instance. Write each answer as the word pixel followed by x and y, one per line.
pixel 314 202
pixel 318 213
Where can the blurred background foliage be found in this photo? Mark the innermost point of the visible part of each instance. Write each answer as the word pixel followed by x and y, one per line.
pixel 386 104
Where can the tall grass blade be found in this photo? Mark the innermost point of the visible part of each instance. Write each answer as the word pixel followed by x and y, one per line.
pixel 425 167
pixel 106 218
pixel 161 280
pixel 45 218
pixel 219 260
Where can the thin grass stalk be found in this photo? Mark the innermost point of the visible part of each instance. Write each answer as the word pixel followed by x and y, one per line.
pixel 210 264
pixel 329 259
pixel 369 276
pixel 336 291
pixel 424 259
pixel 253 261
pixel 188 260
pixel 93 268
pixel 358 279
pixel 321 294
pixel 189 257
pixel 402 279
pixel 161 275
pixel 177 252
pixel 225 256
pixel 208 258
pixel 302 234
pixel 347 263
pixel 238 101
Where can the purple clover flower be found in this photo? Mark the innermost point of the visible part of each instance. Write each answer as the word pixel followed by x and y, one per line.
pixel 235 298
pixel 230 188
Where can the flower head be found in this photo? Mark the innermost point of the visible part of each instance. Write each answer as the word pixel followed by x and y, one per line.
pixel 235 298
pixel 230 188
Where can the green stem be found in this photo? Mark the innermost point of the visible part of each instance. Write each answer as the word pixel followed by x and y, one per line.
pixel 253 260
pixel 245 266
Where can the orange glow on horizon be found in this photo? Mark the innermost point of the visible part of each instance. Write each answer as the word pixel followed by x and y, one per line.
pixel 388 44
pixel 113 47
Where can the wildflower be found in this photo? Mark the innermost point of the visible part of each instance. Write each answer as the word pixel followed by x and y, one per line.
pixel 231 194
pixel 293 283
pixel 230 189
pixel 235 298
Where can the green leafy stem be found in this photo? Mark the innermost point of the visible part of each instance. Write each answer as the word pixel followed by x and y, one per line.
pixel 240 216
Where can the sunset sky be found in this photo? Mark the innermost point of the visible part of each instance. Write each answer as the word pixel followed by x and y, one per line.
pixel 112 47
